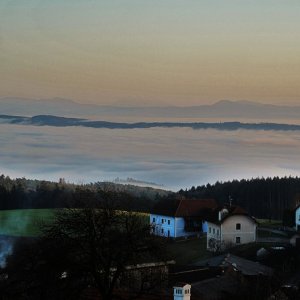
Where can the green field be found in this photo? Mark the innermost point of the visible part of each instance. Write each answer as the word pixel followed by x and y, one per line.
pixel 269 223
pixel 23 222
pixel 188 251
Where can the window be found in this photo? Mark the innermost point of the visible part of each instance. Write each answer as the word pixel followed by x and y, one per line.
pixel 237 240
pixel 162 230
pixel 153 220
pixel 162 221
pixel 238 226
pixel 169 222
pixel 217 231
pixel 214 230
pixel 209 229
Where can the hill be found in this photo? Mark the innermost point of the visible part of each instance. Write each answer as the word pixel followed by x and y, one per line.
pixel 56 121
pixel 224 109
pixel 22 193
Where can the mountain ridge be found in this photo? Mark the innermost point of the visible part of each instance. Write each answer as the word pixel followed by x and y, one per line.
pixel 58 121
pixel 227 109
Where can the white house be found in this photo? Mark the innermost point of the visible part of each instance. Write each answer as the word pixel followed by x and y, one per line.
pixel 297 217
pixel 182 291
pixel 177 218
pixel 229 227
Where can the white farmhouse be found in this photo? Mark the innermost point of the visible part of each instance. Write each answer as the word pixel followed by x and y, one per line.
pixel 229 227
pixel 178 218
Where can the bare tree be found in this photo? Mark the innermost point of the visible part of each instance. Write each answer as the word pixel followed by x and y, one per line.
pixel 100 242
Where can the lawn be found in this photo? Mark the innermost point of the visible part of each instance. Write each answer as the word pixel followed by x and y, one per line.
pixel 269 223
pixel 269 234
pixel 188 251
pixel 23 222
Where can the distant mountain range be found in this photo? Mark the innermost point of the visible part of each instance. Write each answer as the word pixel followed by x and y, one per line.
pixel 232 110
pixel 49 120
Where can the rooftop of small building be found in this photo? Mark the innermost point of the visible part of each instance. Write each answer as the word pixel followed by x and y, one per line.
pixel 181 285
pixel 245 266
pixel 184 207
pixel 229 210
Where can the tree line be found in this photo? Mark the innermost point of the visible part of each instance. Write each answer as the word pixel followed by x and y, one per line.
pixel 23 193
pixel 269 198
pixel 266 198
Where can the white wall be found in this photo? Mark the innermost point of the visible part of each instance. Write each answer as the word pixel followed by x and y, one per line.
pixel 229 233
pixel 204 226
pixel 213 232
pixel 163 225
pixel 182 293
pixel 297 218
pixel 169 226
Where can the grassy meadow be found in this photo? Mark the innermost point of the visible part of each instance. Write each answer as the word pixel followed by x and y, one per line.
pixel 23 222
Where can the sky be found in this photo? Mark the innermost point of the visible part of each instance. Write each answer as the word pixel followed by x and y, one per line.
pixel 158 52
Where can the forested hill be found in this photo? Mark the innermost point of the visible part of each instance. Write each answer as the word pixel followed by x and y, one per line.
pixel 25 193
pixel 262 197
pixel 56 121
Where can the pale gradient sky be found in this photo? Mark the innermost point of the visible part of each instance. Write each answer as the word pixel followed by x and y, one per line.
pixel 160 51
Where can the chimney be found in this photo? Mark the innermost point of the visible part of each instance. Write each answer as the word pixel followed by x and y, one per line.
pixel 222 213
pixel 220 216
pixel 182 291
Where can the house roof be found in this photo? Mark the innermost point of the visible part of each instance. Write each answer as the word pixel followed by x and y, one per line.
pixel 223 287
pixel 213 217
pixel 184 207
pixel 245 266
pixel 181 284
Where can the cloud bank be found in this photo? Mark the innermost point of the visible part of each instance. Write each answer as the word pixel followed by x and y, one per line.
pixel 175 157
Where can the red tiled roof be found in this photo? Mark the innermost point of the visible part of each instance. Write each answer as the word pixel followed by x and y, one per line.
pixel 232 210
pixel 194 208
pixel 184 207
pixel 237 210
